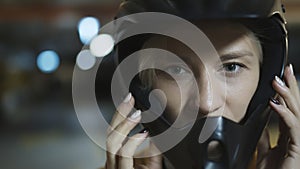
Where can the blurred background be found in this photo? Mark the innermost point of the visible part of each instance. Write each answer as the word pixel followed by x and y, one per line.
pixel 39 43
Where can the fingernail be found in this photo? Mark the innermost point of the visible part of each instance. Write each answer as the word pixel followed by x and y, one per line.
pixel 145 130
pixel 136 114
pixel 275 101
pixel 291 69
pixel 127 98
pixel 279 81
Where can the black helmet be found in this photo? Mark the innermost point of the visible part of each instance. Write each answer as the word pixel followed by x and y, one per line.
pixel 263 18
pixel 197 9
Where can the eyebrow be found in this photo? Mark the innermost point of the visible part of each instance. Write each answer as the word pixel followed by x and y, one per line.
pixel 235 55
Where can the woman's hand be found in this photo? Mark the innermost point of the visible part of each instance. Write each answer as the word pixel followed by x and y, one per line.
pixel 120 148
pixel 286 155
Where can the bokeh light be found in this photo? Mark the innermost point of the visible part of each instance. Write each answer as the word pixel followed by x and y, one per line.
pixel 102 45
pixel 85 60
pixel 88 28
pixel 48 61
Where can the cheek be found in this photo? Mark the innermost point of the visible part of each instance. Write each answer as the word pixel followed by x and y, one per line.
pixel 172 94
pixel 239 96
pixel 176 98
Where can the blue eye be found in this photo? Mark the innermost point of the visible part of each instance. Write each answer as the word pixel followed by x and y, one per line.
pixel 176 70
pixel 232 67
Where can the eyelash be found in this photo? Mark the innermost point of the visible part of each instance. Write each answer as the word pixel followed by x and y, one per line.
pixel 172 70
pixel 176 67
pixel 224 68
pixel 230 73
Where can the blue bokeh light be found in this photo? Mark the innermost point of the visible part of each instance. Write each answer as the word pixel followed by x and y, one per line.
pixel 88 28
pixel 48 61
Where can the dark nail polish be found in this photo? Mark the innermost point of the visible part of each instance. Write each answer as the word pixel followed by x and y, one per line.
pixel 144 130
pixel 275 101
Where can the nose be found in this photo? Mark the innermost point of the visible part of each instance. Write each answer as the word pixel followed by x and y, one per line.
pixel 210 93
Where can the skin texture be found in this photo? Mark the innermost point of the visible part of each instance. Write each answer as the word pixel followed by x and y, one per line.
pixel 226 86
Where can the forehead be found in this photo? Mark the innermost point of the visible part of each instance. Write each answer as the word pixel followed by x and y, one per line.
pixel 226 37
pixel 220 34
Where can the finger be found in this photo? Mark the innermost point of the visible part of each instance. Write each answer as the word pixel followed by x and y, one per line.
pixel 127 151
pixel 115 139
pixel 122 111
pixel 118 135
pixel 291 81
pixel 291 122
pixel 286 94
pixel 284 113
pixel 110 161
pixel 281 101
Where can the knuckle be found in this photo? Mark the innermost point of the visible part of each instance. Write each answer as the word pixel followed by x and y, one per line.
pixel 109 130
pixel 113 149
pixel 112 144
pixel 293 124
pixel 285 93
pixel 283 110
pixel 127 124
pixel 121 129
pixel 123 109
pixel 121 112
pixel 125 152
pixel 110 138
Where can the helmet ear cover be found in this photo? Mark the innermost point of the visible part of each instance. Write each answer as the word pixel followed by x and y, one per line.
pixel 272 35
pixel 201 9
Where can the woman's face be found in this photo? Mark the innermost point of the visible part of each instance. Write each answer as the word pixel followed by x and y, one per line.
pixel 225 84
